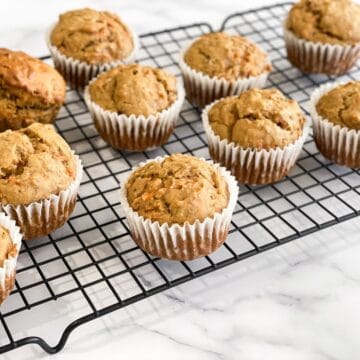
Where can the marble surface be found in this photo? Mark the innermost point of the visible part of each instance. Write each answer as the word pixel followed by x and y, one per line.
pixel 23 23
pixel 299 301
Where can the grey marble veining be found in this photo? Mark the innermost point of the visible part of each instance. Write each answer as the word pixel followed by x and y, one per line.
pixel 299 301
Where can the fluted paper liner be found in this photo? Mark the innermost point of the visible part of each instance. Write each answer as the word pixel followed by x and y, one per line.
pixel 8 270
pixel 181 242
pixel 315 57
pixel 337 143
pixel 252 166
pixel 202 89
pixel 133 132
pixel 42 217
pixel 77 73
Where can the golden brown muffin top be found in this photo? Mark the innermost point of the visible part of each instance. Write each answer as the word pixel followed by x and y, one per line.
pixel 325 21
pixel 227 56
pixel 35 162
pixel 29 81
pixel 7 247
pixel 180 189
pixel 258 118
pixel 134 90
pixel 341 105
pixel 95 37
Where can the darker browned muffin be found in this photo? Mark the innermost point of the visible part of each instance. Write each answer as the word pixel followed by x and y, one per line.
pixel 30 90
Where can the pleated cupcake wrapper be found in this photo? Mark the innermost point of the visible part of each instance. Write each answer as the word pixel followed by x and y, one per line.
pixel 337 143
pixel 251 166
pixel 8 270
pixel 312 57
pixel 42 217
pixel 201 89
pixel 79 73
pixel 132 132
pixel 181 242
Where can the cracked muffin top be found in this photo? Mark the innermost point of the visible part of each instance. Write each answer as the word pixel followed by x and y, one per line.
pixel 7 247
pixel 91 36
pixel 326 21
pixel 341 105
pixel 179 189
pixel 35 162
pixel 134 90
pixel 30 90
pixel 227 56
pixel 258 118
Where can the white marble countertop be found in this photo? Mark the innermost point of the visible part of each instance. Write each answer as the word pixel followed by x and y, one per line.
pixel 299 301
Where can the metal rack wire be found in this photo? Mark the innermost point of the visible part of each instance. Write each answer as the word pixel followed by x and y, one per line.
pixel 91 266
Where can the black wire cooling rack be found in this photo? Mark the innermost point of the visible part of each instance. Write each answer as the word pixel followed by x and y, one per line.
pixel 91 267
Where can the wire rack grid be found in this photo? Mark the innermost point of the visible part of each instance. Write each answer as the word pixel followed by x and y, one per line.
pixel 91 266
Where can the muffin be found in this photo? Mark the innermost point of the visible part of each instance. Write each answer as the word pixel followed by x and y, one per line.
pixel 335 111
pixel 85 42
pixel 135 107
pixel 257 135
pixel 10 243
pixel 323 36
pixel 30 90
pixel 39 179
pixel 179 207
pixel 219 64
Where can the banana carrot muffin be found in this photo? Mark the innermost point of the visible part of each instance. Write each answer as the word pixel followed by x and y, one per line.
pixel 85 42
pixel 178 190
pixel 135 107
pixel 39 178
pixel 258 135
pixel 227 56
pixel 335 110
pixel 179 207
pixel 30 90
pixel 258 119
pixel 219 64
pixel 134 90
pixel 341 105
pixel 10 242
pixel 323 36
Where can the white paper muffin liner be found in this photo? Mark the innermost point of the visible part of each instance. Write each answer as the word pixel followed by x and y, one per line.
pixel 181 242
pixel 337 143
pixel 78 73
pixel 315 57
pixel 42 217
pixel 8 270
pixel 201 89
pixel 252 166
pixel 133 132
